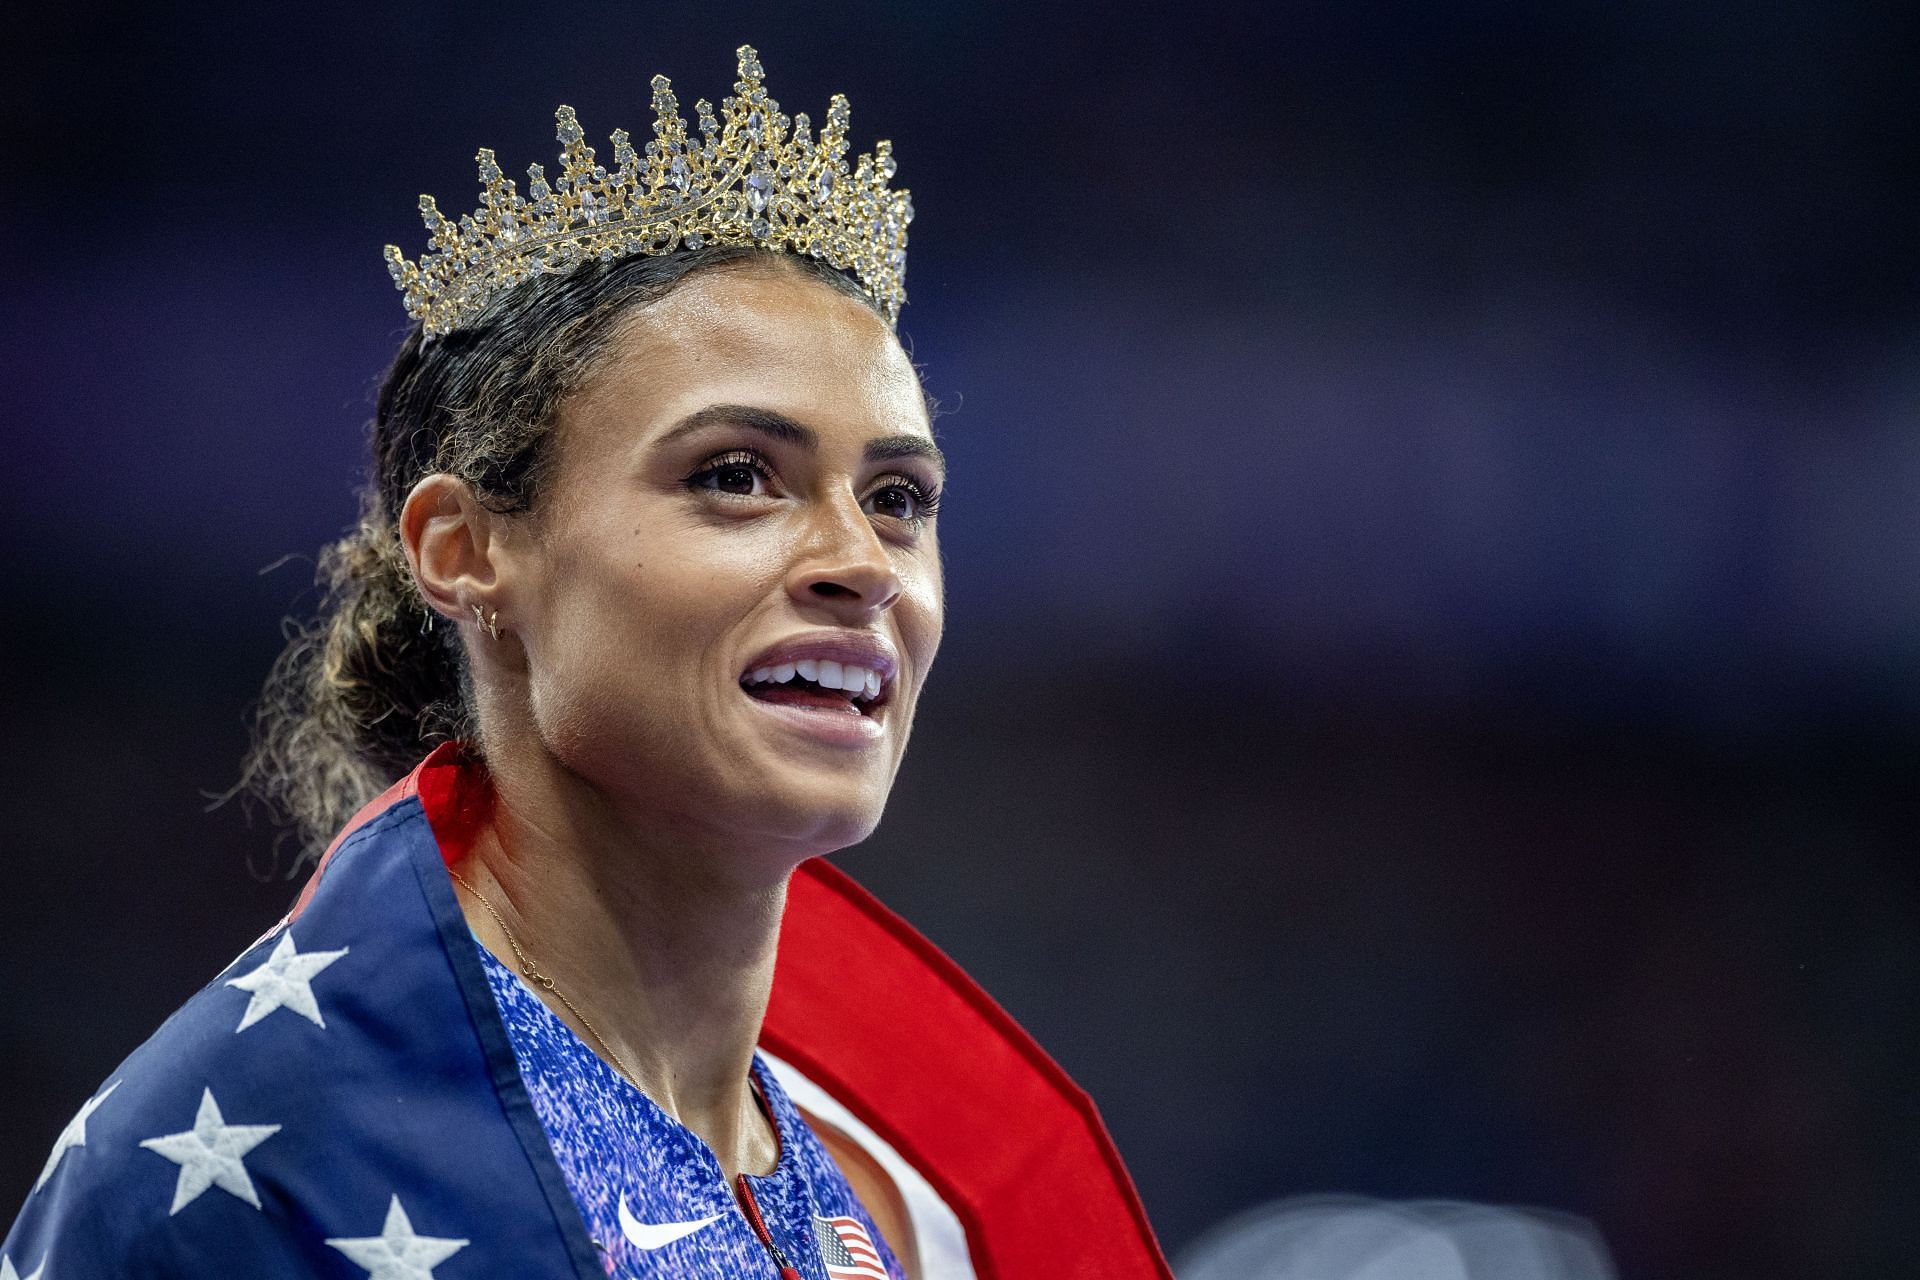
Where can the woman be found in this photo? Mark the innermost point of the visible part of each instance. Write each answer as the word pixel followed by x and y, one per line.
pixel 649 573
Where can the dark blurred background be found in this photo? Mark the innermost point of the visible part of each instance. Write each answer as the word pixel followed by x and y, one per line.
pixel 1430 702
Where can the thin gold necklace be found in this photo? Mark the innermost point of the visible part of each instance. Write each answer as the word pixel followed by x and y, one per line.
pixel 531 972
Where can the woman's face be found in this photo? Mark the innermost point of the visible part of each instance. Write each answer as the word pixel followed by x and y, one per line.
pixel 739 517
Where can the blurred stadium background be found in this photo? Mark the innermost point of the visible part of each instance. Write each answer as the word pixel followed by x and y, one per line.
pixel 1430 706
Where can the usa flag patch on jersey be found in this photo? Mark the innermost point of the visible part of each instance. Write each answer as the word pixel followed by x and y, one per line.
pixel 847 1251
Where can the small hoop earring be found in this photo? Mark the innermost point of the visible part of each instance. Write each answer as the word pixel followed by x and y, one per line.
pixel 492 624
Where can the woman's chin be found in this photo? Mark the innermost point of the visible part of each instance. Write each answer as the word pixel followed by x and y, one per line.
pixel 766 786
pixel 811 816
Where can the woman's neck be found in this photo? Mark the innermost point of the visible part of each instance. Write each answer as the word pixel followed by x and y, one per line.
pixel 664 947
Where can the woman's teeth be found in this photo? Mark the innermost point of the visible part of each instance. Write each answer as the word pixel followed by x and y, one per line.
pixel 857 682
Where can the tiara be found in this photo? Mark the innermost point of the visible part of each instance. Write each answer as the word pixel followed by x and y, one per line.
pixel 753 177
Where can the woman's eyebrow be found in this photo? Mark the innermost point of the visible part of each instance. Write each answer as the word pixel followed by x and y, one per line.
pixel 889 447
pixel 779 426
pixel 766 421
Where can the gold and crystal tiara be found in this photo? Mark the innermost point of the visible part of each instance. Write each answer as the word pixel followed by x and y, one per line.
pixel 753 177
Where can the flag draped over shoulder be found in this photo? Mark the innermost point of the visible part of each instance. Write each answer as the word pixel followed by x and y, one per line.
pixel 1013 1146
pixel 344 1100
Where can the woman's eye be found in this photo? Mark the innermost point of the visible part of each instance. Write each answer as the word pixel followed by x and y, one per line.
pixel 744 477
pixel 903 500
pixel 734 479
pixel 894 500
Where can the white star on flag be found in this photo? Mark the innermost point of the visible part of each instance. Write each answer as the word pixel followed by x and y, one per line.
pixel 8 1273
pixel 209 1155
pixel 397 1253
pixel 74 1135
pixel 284 982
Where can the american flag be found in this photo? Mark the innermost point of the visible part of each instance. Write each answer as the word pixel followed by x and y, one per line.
pixel 332 1104
pixel 847 1250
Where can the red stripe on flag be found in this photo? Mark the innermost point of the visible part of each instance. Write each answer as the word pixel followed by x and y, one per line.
pixel 955 1086
pixel 866 1258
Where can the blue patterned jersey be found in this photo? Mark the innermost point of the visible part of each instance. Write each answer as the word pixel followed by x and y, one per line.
pixel 654 1199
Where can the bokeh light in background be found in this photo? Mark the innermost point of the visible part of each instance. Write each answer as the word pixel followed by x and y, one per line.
pixel 1349 1238
pixel 1430 704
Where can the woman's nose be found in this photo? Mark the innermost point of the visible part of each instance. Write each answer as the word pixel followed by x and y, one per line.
pixel 844 564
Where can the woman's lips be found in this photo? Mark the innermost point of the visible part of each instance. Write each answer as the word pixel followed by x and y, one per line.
pixel 820 682
pixel 861 662
pixel 833 686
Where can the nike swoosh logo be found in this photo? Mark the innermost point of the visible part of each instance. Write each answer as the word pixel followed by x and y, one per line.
pixel 655 1235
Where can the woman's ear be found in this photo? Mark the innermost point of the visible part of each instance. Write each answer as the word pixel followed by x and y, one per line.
pixel 448 537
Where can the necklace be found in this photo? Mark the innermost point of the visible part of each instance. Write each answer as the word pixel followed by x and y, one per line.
pixel 531 972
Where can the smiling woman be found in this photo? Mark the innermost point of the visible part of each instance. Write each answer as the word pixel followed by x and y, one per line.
pixel 648 571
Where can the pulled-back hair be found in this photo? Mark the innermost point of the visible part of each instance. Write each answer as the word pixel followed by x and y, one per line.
pixel 371 684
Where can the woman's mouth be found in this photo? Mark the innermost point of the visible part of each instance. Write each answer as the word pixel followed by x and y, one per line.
pixel 819 684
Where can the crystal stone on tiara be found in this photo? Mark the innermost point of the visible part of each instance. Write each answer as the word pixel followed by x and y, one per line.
pixel 751 177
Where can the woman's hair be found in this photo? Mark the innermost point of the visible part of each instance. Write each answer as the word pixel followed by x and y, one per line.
pixel 371 684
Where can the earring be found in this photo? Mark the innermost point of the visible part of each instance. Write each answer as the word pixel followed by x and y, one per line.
pixel 492 624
